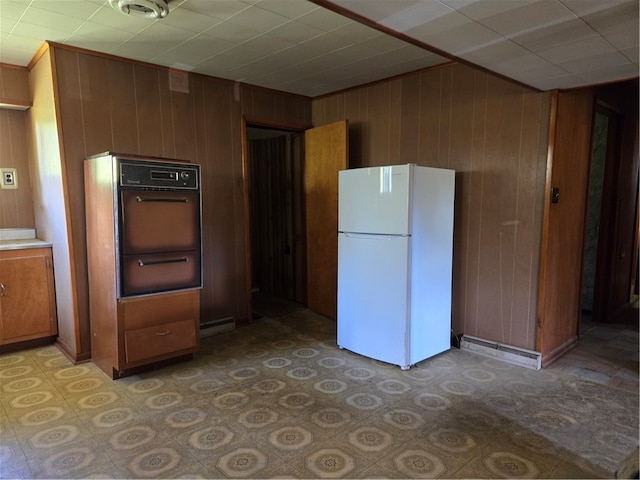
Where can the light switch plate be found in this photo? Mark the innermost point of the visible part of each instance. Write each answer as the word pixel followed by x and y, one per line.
pixel 9 178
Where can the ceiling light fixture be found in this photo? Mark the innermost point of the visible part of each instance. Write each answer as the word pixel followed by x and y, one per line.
pixel 151 9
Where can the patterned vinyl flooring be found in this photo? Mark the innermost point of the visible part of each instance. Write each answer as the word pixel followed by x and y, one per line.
pixel 277 398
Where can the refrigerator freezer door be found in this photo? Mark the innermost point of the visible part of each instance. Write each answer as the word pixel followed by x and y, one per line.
pixel 373 298
pixel 374 200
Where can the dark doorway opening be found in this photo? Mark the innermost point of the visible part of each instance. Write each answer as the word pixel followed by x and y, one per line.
pixel 609 285
pixel 276 220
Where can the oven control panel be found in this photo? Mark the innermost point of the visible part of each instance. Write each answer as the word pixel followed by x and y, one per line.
pixel 159 175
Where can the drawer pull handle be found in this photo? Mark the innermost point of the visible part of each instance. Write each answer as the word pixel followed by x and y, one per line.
pixel 158 262
pixel 162 334
pixel 3 290
pixel 169 200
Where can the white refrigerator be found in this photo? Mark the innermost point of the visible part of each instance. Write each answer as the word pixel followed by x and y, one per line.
pixel 395 249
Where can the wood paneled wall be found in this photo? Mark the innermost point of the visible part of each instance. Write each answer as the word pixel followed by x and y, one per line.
pixel 494 134
pixel 14 85
pixel 16 206
pixel 110 104
pixel 50 202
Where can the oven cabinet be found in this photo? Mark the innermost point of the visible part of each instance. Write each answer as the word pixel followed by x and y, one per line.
pixel 27 295
pixel 137 329
pixel 143 331
pixel 158 327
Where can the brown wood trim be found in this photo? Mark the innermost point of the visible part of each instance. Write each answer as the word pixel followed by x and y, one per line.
pixel 401 36
pixel 75 358
pixel 559 351
pixel 247 215
pixel 544 244
pixel 26 344
pixel 38 55
pixel 13 67
pixel 249 121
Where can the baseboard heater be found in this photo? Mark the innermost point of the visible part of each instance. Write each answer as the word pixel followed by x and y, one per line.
pixel 214 327
pixel 507 353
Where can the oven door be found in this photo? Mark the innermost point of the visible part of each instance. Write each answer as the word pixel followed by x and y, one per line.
pixel 160 272
pixel 159 221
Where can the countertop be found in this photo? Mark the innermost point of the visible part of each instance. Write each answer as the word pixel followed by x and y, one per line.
pixel 20 238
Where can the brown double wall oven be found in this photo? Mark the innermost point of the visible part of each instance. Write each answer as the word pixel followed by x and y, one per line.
pixel 159 227
pixel 144 260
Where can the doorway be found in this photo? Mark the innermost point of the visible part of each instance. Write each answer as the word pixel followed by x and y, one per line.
pixel 603 125
pixel 276 220
pixel 611 230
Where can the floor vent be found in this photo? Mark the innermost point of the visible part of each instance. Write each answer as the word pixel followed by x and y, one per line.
pixel 215 327
pixel 515 355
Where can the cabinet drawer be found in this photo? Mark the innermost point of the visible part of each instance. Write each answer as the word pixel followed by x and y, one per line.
pixel 150 342
pixel 160 309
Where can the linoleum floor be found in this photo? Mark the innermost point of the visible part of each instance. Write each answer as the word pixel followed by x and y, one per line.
pixel 277 398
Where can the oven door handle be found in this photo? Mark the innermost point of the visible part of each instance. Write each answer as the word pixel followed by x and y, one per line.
pixel 159 262
pixel 167 200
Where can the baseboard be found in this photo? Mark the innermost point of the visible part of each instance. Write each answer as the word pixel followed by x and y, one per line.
pixel 515 355
pixel 215 327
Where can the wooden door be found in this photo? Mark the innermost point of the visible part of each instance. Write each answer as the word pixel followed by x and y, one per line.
pixel 27 304
pixel 326 153
pixel 563 223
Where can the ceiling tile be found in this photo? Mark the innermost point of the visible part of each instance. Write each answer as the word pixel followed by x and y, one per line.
pixel 109 17
pixel 603 61
pixel 464 38
pixel 355 32
pixel 548 36
pixel 193 51
pixel 610 73
pixel 516 16
pixel 140 47
pixel 586 7
pixel 259 19
pixel 632 54
pixel 221 9
pixel 323 19
pixel 46 18
pixel 416 15
pixel 79 9
pixel 494 52
pixel 308 49
pixel 95 31
pixel 167 33
pixel 11 9
pixel 295 32
pixel 287 8
pixel 479 9
pixel 189 20
pixel 561 81
pixel 39 31
pixel 376 9
pixel 566 52
pixel 438 27
pixel 231 32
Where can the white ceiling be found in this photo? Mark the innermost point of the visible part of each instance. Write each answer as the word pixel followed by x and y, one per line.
pixel 300 47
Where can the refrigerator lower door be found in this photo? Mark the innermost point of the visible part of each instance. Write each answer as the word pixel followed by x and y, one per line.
pixel 373 281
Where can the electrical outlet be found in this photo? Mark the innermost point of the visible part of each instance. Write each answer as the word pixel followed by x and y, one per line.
pixel 9 178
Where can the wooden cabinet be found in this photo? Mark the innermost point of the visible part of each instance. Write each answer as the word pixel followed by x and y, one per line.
pixel 129 332
pixel 27 296
pixel 134 332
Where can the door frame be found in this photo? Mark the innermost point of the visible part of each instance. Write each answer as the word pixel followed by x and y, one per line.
pixel 569 151
pixel 248 121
